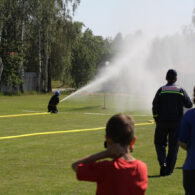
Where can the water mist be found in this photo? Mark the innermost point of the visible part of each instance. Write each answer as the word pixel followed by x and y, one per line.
pixel 140 68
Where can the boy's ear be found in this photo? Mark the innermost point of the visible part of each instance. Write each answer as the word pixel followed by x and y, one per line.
pixel 108 140
pixel 132 143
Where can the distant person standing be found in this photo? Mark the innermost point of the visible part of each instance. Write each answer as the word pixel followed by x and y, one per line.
pixel 53 102
pixel 187 142
pixel 167 110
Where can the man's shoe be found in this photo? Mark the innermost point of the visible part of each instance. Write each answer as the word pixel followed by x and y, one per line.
pixel 163 170
pixel 168 171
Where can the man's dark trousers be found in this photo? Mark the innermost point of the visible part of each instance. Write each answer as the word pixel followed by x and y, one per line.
pixel 166 132
pixel 188 181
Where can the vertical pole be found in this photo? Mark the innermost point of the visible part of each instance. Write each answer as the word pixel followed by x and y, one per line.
pixel 104 101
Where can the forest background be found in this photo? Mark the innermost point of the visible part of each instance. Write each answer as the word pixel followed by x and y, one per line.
pixel 40 36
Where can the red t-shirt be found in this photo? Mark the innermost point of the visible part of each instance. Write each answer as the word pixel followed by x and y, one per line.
pixel 116 177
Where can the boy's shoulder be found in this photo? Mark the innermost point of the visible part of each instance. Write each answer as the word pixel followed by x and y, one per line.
pixel 141 164
pixel 117 164
pixel 131 164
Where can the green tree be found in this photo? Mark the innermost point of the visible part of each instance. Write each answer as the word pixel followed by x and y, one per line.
pixel 40 36
pixel 67 35
pixel 87 54
pixel 116 44
pixel 10 45
pixel 56 11
pixel 29 28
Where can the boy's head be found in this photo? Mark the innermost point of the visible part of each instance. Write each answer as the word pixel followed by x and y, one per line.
pixel 120 129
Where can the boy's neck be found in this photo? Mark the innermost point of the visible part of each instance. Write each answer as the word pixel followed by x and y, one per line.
pixel 127 156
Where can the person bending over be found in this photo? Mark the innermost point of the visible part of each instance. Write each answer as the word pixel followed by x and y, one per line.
pixel 123 174
pixel 53 102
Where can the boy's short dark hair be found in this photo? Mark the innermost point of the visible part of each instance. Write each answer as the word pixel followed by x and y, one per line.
pixel 194 96
pixel 120 128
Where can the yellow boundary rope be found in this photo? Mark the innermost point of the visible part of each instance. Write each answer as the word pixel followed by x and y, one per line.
pixel 151 122
pixel 29 114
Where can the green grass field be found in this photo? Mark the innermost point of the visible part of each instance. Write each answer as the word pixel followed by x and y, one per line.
pixel 41 164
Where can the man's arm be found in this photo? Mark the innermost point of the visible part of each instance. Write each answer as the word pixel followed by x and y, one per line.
pixel 184 132
pixel 182 145
pixel 187 100
pixel 156 105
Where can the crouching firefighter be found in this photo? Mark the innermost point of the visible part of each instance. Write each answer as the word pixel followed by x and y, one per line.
pixel 53 102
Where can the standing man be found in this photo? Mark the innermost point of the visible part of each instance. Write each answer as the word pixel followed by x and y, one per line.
pixel 53 102
pixel 167 111
pixel 187 142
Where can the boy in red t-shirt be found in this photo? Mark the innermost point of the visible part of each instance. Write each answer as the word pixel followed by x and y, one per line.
pixel 124 175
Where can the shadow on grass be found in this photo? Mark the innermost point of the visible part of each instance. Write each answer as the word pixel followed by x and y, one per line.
pixel 153 176
pixel 178 168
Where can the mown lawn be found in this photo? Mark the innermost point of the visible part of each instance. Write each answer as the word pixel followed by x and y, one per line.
pixel 42 164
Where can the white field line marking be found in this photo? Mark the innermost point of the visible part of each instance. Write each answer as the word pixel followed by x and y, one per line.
pixel 94 113
pixel 32 111
pixel 112 114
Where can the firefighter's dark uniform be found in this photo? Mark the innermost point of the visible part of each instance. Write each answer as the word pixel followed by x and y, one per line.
pixel 52 106
pixel 167 110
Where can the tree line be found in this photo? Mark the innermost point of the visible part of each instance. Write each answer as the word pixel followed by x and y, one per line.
pixel 40 36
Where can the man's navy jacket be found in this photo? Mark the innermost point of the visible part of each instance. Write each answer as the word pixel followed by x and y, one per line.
pixel 168 103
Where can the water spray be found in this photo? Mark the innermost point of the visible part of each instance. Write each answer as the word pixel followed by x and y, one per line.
pixel 140 69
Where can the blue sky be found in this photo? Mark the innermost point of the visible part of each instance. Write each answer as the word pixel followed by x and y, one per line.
pixel 108 17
